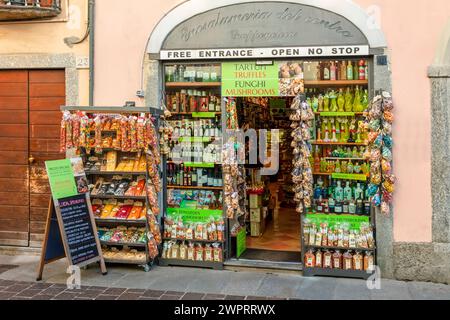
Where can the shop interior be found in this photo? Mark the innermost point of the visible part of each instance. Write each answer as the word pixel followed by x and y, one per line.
pixel 273 226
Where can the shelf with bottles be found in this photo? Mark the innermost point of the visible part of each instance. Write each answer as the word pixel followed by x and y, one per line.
pixel 337 83
pixel 179 175
pixel 202 74
pixel 340 197
pixel 336 70
pixel 193 101
pixel 182 201
pixel 193 85
pixel 199 115
pixel 194 187
pixel 208 129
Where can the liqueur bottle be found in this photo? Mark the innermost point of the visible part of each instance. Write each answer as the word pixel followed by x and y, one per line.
pixel 362 70
pixel 343 73
pixel 326 72
pixel 333 71
pixel 350 71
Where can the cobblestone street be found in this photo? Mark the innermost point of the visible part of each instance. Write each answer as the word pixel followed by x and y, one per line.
pixel 18 273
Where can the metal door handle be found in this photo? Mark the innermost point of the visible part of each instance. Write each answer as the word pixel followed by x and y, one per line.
pixel 31 159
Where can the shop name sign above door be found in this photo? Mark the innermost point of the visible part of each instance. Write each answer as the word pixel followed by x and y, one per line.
pixel 262 53
pixel 265 24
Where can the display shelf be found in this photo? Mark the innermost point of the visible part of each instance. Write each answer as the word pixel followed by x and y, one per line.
pixel 194 241
pixel 321 174
pixel 323 143
pixel 189 263
pixel 332 83
pixel 344 159
pixel 126 261
pixel 197 139
pixel 194 188
pixel 112 173
pixel 195 164
pixel 198 114
pixel 337 214
pixel 143 198
pixel 339 114
pixel 343 176
pixel 121 222
pixel 338 248
pixel 193 84
pixel 110 109
pixel 123 244
pixel 312 272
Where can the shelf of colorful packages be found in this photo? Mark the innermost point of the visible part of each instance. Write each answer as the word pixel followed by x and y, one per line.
pixel 194 226
pixel 338 233
pixel 123 169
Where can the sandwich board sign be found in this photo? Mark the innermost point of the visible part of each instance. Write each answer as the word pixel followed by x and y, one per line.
pixel 70 229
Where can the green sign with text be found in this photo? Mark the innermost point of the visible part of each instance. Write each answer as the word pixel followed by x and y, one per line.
pixel 195 215
pixel 247 79
pixel 61 178
pixel 241 243
pixel 354 221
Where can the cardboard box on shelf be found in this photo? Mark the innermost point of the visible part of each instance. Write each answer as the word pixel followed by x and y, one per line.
pixel 255 215
pixel 255 201
pixel 258 228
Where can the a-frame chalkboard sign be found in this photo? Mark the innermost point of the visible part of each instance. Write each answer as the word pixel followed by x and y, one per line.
pixel 70 229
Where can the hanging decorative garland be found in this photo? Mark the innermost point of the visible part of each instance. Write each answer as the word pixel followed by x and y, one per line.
pixel 379 123
pixel 302 175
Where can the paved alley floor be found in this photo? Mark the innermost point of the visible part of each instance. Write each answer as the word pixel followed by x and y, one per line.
pixel 18 274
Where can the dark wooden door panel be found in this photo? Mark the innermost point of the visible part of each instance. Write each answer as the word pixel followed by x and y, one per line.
pixel 47 95
pixel 14 103
pixel 14 144
pixel 47 104
pixel 14 188
pixel 8 117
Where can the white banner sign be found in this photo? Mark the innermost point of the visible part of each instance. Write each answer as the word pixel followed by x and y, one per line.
pixel 259 53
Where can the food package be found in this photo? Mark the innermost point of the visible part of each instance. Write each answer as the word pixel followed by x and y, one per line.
pixel 111 161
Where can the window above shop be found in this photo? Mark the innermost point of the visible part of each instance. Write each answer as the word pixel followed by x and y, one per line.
pixel 19 10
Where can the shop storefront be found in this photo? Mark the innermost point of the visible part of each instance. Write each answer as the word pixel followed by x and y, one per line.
pixel 271 157
pixel 263 61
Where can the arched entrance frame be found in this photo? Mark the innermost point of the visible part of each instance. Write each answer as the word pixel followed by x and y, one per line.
pixel 153 76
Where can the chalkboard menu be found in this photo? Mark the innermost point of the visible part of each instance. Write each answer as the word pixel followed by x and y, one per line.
pixel 70 228
pixel 78 230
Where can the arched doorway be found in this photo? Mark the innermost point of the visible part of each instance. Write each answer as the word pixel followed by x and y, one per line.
pixel 270 30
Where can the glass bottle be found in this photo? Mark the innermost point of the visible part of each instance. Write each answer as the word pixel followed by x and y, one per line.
pixel 333 71
pixel 350 71
pixel 326 72
pixel 343 73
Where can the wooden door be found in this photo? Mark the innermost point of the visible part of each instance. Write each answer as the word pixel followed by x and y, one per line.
pixel 47 95
pixel 29 128
pixel 14 174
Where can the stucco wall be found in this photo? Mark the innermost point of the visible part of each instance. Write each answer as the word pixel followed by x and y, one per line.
pixel 47 37
pixel 413 31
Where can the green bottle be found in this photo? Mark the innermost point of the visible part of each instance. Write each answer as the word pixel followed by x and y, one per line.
pixel 348 101
pixel 326 103
pixel 341 101
pixel 365 100
pixel 333 99
pixel 357 101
